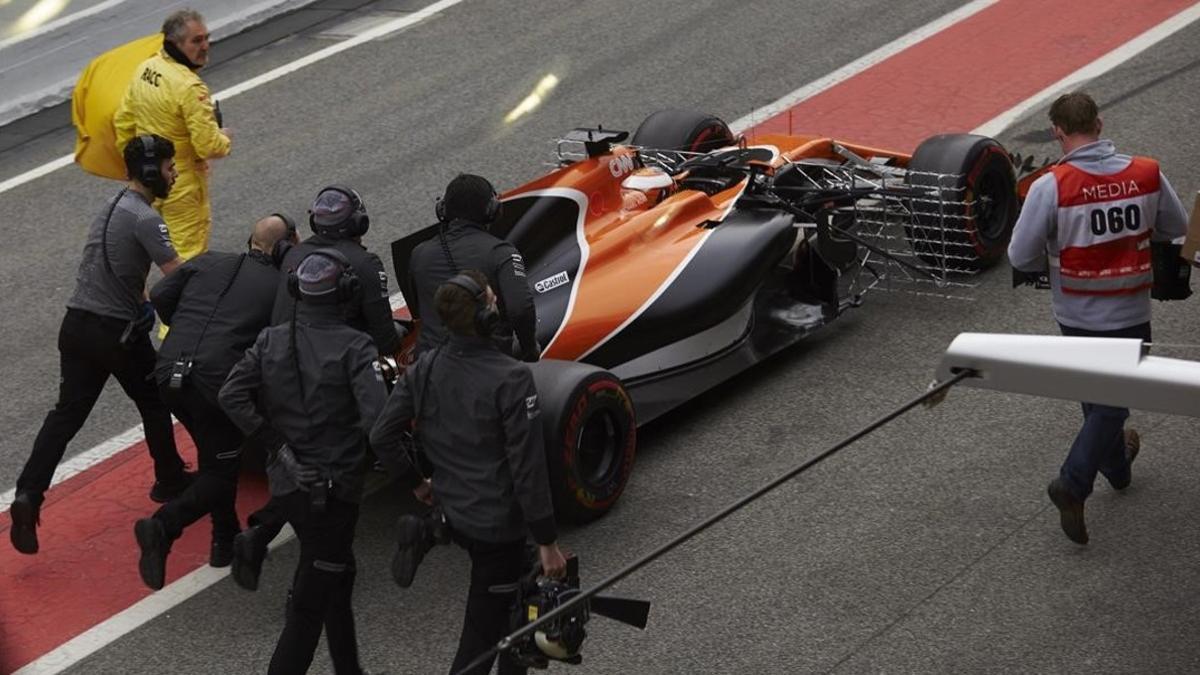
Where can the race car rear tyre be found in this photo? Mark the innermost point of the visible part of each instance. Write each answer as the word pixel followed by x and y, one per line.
pixel 684 130
pixel 978 202
pixel 590 435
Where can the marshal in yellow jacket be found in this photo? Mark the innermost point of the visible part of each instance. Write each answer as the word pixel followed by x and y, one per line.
pixel 169 99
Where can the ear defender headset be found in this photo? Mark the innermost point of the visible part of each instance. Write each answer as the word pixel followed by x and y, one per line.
pixel 147 171
pixel 355 225
pixel 485 317
pixel 281 247
pixel 490 212
pixel 348 285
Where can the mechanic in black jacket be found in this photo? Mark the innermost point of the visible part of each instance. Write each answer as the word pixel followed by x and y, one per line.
pixel 216 304
pixel 315 381
pixel 339 220
pixel 470 205
pixel 475 410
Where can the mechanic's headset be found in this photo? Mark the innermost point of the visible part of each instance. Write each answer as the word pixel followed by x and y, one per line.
pixel 490 212
pixel 149 173
pixel 485 317
pixel 281 247
pixel 348 285
pixel 355 225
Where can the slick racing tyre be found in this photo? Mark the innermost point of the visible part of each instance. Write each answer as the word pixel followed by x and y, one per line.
pixel 590 436
pixel 966 222
pixel 684 130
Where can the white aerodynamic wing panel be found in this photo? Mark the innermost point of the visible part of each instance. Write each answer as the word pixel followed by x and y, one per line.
pixel 1110 371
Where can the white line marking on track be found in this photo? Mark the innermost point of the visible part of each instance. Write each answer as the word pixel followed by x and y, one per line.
pixel 373 33
pixel 85 460
pixel 860 64
pixel 1094 69
pixel 59 23
pixel 175 593
pixel 102 634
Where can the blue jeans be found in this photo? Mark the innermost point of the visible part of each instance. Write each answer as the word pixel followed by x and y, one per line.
pixel 1100 445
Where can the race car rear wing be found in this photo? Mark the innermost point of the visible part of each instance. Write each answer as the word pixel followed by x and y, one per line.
pixel 1110 371
pixel 598 141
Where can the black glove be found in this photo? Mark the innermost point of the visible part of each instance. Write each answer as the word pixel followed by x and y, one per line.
pixel 303 474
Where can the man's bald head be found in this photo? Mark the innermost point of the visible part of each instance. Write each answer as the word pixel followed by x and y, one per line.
pixel 268 231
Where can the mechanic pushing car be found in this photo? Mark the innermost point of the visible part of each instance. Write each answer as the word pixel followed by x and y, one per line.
pixel 1091 222
pixel 339 220
pixel 105 332
pixel 475 412
pixel 216 304
pixel 314 381
pixel 465 212
pixel 168 98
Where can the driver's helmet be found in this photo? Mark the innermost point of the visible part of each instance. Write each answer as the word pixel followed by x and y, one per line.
pixel 646 186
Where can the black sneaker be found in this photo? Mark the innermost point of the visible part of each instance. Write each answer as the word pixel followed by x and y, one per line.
pixel 1133 445
pixel 152 539
pixel 1070 511
pixel 164 491
pixel 249 551
pixel 413 541
pixel 26 515
pixel 221 553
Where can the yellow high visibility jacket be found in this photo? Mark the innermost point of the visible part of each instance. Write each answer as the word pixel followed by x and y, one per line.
pixel 169 99
pixel 98 92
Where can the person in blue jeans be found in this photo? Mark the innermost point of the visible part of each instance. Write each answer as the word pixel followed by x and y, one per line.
pixel 1088 223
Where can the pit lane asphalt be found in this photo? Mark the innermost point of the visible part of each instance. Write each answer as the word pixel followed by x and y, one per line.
pixel 928 547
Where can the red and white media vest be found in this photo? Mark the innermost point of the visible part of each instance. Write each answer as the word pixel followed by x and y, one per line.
pixel 1104 224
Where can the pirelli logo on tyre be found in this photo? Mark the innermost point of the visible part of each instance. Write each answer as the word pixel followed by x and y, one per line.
pixel 550 283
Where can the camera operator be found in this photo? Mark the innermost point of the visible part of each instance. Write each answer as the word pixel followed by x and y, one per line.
pixel 339 220
pixel 466 211
pixel 475 411
pixel 104 333
pixel 316 380
pixel 216 304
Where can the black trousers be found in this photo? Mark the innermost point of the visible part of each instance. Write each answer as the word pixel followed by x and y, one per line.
pixel 324 583
pixel 218 451
pixel 488 614
pixel 89 352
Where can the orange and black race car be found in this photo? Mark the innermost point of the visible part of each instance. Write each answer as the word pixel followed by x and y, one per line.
pixel 670 263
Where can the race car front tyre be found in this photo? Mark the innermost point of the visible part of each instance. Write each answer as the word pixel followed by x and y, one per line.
pixel 684 130
pixel 965 223
pixel 590 435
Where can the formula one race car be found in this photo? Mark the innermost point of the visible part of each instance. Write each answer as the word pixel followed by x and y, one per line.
pixel 667 265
